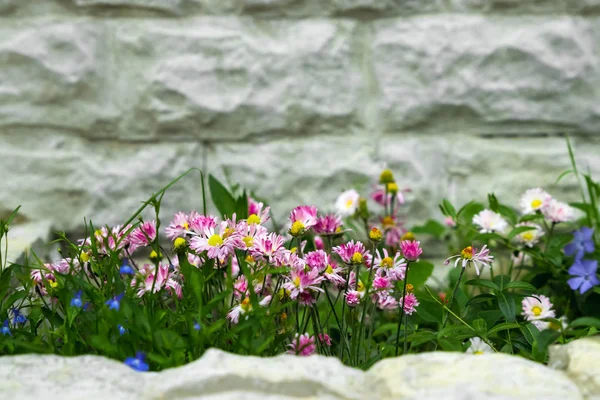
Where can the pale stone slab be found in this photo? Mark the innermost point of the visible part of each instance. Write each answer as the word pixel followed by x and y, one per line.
pixel 579 359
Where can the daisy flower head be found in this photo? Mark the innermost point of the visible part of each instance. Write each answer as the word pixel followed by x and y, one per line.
pixel 268 247
pixel 248 233
pixel 257 212
pixel 200 223
pixel 394 268
pixel 478 346
pixel 303 345
pixel 557 211
pixel 243 309
pixel 302 219
pixel 114 239
pixel 347 203
pixel 333 273
pixel 153 279
pixel 534 200
pixel 317 259
pixel 536 308
pixel 328 225
pixel 319 244
pixel 489 222
pixel 301 281
pixel 382 283
pixel 530 237
pixel 178 226
pixel 218 242
pixel 352 252
pixel 470 256
pixel 142 236
pixel 411 249
pixel 380 197
pixel 353 298
pixel 410 303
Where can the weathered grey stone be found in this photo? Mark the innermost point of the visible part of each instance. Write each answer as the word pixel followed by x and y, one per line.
pixel 66 178
pixel 514 7
pixel 579 359
pixel 226 78
pixel 472 74
pixel 54 74
pixel 22 238
pixel 462 377
pixel 219 375
pixel 171 7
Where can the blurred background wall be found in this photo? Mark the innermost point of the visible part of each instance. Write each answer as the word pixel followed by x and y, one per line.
pixel 102 102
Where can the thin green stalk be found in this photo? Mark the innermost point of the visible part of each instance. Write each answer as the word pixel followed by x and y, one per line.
pixel 401 312
pixel 364 309
pixel 451 301
pixel 342 332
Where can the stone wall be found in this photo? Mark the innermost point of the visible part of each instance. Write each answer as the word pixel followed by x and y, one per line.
pixel 104 101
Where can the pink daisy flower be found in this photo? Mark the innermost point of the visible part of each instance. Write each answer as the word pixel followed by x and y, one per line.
pixel 244 309
pixel 351 252
pixel 556 211
pixel 470 255
pixel 112 240
pixel 257 213
pixel 317 260
pixel 302 218
pixel 325 339
pixel 149 278
pixel 333 273
pixel 268 247
pixel 381 283
pixel 353 298
pixel 411 249
pixel 178 227
pixel 303 345
pixel 410 303
pixel 301 281
pixel 394 268
pixel 200 223
pixel 142 236
pixel 319 243
pixel 218 242
pixel 328 225
pixel 249 233
pixel 378 196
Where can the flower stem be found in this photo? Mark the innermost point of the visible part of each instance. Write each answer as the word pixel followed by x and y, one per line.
pixel 401 313
pixel 451 302
pixel 364 309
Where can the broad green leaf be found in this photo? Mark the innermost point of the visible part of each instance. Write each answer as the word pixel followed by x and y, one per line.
pixel 493 202
pixel 530 332
pixel 448 209
pixel 480 327
pixel 241 206
pixel 501 280
pixel 503 326
pixel 480 298
pixel 450 344
pixel 419 272
pixel 540 346
pixel 586 321
pixel 483 283
pixel 490 316
pixel 520 285
pixel 506 303
pixel 430 311
pixel 431 227
pixel 221 197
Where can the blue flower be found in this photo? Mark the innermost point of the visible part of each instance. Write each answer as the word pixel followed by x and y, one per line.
pixel 126 269
pixel 115 302
pixel 76 301
pixel 18 318
pixel 138 362
pixel 585 275
pixel 197 326
pixel 122 330
pixel 583 242
pixel 5 330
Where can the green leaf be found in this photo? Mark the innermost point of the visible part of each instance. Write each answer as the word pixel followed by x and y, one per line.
pixel 419 272
pixel 586 321
pixel 519 229
pixel 480 327
pixel 490 316
pixel 506 303
pixel 562 175
pixel 493 202
pixel 241 206
pixel 221 197
pixel 480 298
pixel 520 285
pixel 431 227
pixel 418 338
pixel 501 280
pixel 544 340
pixel 504 326
pixel 450 344
pixel 483 283
pixel 430 311
pixel 530 332
pixel 508 213
pixel 448 209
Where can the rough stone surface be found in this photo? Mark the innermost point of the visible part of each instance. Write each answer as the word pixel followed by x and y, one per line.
pixel 579 359
pixel 219 375
pixel 481 75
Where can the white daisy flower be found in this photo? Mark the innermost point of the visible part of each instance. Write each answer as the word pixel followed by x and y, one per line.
pixel 478 346
pixel 347 203
pixel 534 200
pixel 557 211
pixel 489 222
pixel 537 308
pixel 531 237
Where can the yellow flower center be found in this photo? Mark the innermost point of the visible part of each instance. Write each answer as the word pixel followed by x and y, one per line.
pixel 478 352
pixel 253 219
pixel 467 252
pixel 53 284
pixel 386 176
pixel 179 243
pixel 338 229
pixel 392 187
pixel 297 281
pixel 85 257
pixel 357 258
pixel 388 222
pixel 409 287
pixel 228 231
pixel 387 262
pixel 329 270
pixel 536 203
pixel 536 310
pixel 527 236
pixel 215 240
pixel 360 287
pixel 246 305
pixel 283 293
pixel 375 235
pixel 249 259
pixel 297 228
pixel 154 255
pixel 186 226
pixel 349 203
pixel 248 241
pixel 408 236
pixel 294 250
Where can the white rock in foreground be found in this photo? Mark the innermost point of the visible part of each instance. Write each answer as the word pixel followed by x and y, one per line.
pixel 219 375
pixel 581 361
